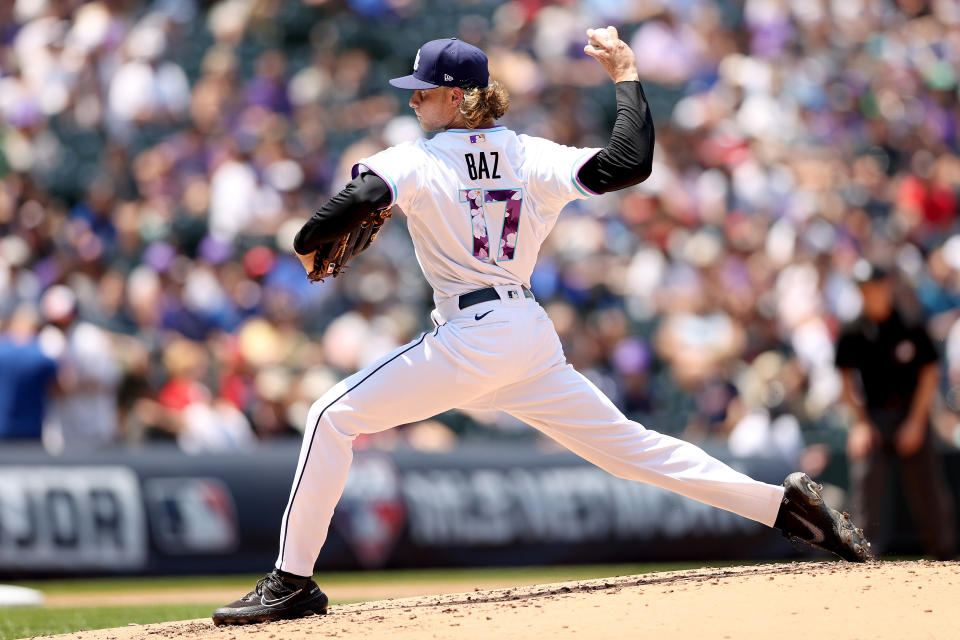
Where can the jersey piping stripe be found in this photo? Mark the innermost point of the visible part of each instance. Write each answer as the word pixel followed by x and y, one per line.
pixel 488 130
pixel 576 170
pixel 293 497
pixel 387 179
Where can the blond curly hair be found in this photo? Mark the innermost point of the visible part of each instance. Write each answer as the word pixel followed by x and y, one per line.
pixel 483 103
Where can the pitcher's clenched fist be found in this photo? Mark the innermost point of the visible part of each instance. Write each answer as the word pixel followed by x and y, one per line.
pixel 613 54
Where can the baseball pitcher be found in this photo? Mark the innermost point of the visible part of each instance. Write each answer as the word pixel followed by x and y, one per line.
pixel 480 199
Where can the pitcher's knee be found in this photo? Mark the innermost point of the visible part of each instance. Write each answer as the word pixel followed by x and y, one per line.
pixel 344 418
pixel 326 415
pixel 351 412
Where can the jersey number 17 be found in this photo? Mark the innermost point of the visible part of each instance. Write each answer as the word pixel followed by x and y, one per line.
pixel 513 203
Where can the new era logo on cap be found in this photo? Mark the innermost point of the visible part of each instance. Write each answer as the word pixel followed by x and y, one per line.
pixel 447 63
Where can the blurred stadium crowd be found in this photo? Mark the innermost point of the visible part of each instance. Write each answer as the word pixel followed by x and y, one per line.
pixel 158 157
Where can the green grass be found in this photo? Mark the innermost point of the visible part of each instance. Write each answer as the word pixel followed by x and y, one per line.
pixel 27 622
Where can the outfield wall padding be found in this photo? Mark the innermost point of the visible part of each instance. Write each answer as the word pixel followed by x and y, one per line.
pixel 156 510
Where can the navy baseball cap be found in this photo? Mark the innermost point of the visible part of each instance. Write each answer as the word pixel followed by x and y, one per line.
pixel 446 63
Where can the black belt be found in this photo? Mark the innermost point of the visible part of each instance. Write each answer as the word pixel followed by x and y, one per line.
pixel 486 295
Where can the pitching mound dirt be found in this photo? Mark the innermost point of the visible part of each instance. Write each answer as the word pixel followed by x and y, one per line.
pixel 815 600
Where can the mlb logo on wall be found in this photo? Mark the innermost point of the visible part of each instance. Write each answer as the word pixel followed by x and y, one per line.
pixel 371 513
pixel 478 137
pixel 191 515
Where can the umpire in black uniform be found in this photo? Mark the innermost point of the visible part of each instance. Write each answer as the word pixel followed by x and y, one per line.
pixel 890 377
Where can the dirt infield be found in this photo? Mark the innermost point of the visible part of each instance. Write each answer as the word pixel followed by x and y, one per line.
pixel 818 600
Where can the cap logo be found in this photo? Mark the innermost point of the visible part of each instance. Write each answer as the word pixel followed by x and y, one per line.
pixel 416 61
pixel 447 77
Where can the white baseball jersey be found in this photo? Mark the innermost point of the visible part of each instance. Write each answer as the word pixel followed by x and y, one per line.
pixel 479 202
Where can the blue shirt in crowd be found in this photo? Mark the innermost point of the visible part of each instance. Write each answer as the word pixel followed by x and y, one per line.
pixel 25 375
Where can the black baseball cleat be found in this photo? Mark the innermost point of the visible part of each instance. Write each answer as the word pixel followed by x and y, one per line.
pixel 805 517
pixel 276 597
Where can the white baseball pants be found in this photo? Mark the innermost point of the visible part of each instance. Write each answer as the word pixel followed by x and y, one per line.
pixel 504 355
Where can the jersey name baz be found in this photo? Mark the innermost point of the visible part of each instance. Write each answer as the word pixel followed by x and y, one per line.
pixel 478 169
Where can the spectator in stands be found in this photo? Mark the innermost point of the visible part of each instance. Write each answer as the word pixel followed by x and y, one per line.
pixel 83 414
pixel 27 377
pixel 146 88
pixel 890 377
pixel 188 410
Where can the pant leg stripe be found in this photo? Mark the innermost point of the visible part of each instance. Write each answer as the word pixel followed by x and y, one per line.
pixel 286 521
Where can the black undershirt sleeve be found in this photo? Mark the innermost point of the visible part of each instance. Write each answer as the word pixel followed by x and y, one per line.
pixel 363 195
pixel 628 157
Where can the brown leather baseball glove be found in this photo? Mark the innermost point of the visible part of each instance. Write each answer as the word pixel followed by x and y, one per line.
pixel 332 258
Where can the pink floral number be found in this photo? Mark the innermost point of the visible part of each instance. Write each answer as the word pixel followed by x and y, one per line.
pixel 513 202
pixel 481 243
